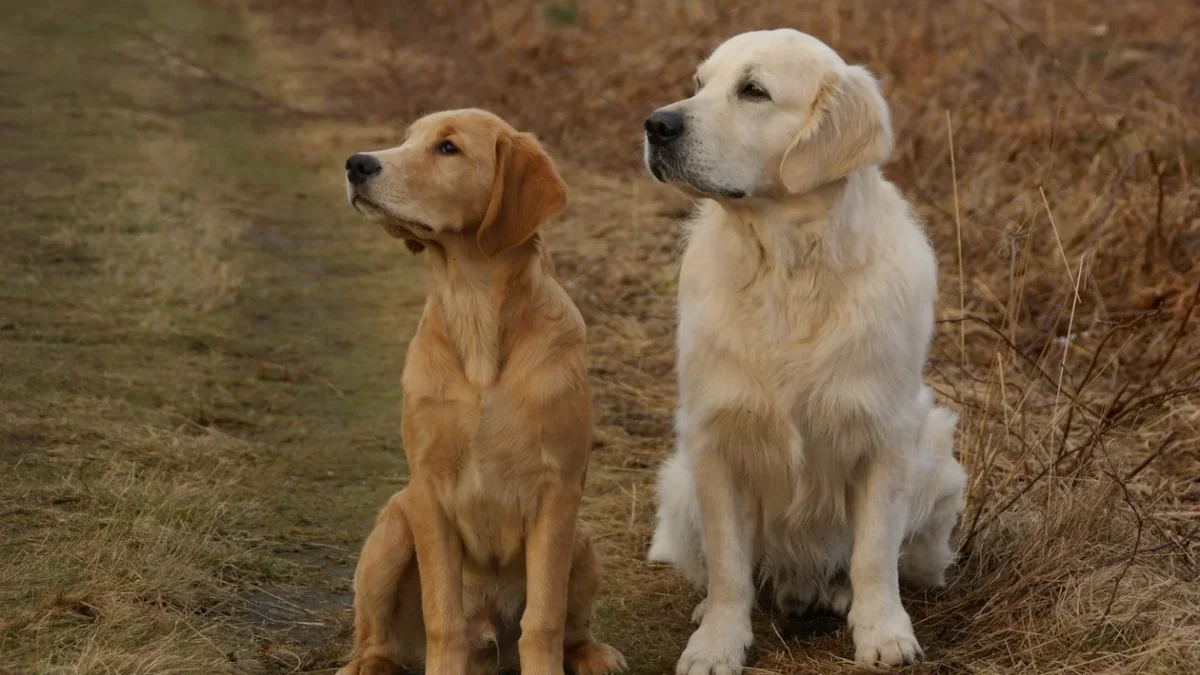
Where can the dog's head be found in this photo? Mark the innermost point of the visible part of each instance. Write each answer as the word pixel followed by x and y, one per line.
pixel 456 174
pixel 775 112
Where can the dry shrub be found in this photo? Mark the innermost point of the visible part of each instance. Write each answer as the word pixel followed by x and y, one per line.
pixel 1066 224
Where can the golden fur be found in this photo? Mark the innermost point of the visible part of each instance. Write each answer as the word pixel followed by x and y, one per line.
pixel 496 420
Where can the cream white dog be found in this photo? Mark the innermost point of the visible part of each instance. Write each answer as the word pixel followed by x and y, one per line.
pixel 811 458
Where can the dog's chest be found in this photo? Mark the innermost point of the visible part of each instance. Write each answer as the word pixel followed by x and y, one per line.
pixel 773 324
pixel 784 341
pixel 491 512
pixel 486 480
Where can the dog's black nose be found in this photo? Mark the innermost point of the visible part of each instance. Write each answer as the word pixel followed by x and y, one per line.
pixel 663 126
pixel 360 167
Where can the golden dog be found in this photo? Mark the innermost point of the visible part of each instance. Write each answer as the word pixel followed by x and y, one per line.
pixel 496 419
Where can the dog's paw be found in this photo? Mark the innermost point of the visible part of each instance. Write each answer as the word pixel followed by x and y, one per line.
pixel 838 600
pixel 716 648
pixel 371 666
pixel 481 634
pixel 594 658
pixel 795 595
pixel 885 639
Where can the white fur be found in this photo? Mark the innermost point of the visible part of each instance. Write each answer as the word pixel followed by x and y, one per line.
pixel 809 449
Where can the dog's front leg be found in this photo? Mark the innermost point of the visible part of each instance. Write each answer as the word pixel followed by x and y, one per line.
pixel 883 632
pixel 718 647
pixel 439 560
pixel 547 570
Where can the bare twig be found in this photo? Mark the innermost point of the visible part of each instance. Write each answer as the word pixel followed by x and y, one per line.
pixel 1116 405
pixel 962 302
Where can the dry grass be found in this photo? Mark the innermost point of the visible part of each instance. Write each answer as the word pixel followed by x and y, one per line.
pixel 1070 248
pixel 123 534
pixel 120 571
pixel 193 268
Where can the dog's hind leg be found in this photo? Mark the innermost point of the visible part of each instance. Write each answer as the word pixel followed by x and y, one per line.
pixel 582 654
pixel 938 503
pixel 388 631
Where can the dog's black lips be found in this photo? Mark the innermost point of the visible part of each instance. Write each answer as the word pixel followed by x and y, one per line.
pixel 357 198
pixel 657 165
pixel 412 225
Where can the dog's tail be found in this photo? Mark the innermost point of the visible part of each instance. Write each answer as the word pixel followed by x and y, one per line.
pixel 938 433
pixel 677 538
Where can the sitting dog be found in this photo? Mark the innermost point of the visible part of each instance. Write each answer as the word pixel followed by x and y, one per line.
pixel 810 454
pixel 496 419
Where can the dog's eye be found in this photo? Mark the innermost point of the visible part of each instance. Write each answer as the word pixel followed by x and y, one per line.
pixel 754 92
pixel 447 148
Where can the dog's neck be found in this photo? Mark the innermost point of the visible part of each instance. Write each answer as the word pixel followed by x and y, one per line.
pixel 814 230
pixel 472 294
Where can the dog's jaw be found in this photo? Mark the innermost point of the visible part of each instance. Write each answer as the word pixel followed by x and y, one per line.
pixel 395 225
pixel 670 172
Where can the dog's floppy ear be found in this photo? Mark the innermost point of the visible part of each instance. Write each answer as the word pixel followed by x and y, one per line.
pixel 527 191
pixel 850 127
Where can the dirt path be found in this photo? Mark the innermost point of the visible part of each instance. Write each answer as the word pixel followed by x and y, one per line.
pixel 199 356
